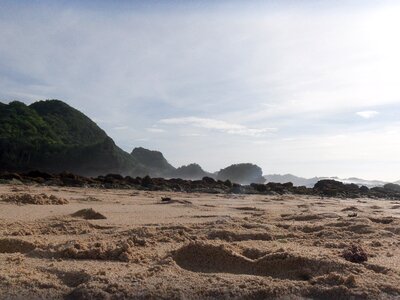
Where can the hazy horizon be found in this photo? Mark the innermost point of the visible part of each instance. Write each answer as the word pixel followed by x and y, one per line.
pixel 310 88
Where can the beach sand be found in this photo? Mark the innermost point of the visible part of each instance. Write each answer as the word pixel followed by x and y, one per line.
pixel 84 243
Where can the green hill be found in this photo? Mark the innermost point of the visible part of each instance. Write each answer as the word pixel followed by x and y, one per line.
pixel 54 137
pixel 72 126
pixel 154 161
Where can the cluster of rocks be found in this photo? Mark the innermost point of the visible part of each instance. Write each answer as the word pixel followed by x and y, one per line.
pixel 324 188
pixel 333 188
pixel 116 181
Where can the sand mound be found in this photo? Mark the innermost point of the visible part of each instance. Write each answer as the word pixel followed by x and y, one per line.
pixel 55 227
pixel 41 199
pixel 90 292
pixel 88 214
pixel 228 235
pixel 8 245
pixel 70 278
pixel 119 250
pixel 206 258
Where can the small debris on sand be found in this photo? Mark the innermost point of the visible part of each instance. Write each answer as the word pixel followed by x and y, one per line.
pixel 350 208
pixel 168 200
pixel 88 199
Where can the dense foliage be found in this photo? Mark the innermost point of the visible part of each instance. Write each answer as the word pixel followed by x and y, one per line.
pixel 69 124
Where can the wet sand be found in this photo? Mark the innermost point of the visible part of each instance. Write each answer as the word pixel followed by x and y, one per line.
pixel 197 246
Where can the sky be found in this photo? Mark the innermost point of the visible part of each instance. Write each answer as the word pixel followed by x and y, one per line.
pixel 310 88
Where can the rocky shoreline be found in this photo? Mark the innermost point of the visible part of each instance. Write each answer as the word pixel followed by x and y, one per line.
pixel 323 188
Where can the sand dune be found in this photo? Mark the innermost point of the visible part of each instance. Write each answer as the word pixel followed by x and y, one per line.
pixel 116 244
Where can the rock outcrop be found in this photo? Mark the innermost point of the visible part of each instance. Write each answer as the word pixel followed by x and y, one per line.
pixel 191 171
pixel 242 173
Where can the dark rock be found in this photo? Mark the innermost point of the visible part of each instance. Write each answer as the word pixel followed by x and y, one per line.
pixel 364 190
pixel 147 181
pixel 228 183
pixel 11 176
pixel 113 177
pixel 262 188
pixel 302 190
pixel 392 187
pixel 69 179
pixel 355 254
pixel 333 188
pixel 278 188
pixel 38 174
pixel 288 185
pixel 208 180
pixel 134 181
pixel 88 214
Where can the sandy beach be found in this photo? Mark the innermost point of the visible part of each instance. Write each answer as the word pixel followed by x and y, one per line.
pixel 128 244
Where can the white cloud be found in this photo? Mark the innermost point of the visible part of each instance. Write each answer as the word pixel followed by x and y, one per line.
pixel 367 114
pixel 192 134
pixel 219 125
pixel 155 130
pixel 121 128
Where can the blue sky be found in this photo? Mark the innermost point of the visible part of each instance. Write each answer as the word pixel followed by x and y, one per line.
pixel 303 87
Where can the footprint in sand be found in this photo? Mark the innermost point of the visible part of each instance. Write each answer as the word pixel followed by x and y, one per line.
pixel 206 258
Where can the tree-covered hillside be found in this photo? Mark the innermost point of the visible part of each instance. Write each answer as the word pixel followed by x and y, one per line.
pixel 69 124
pixel 52 136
